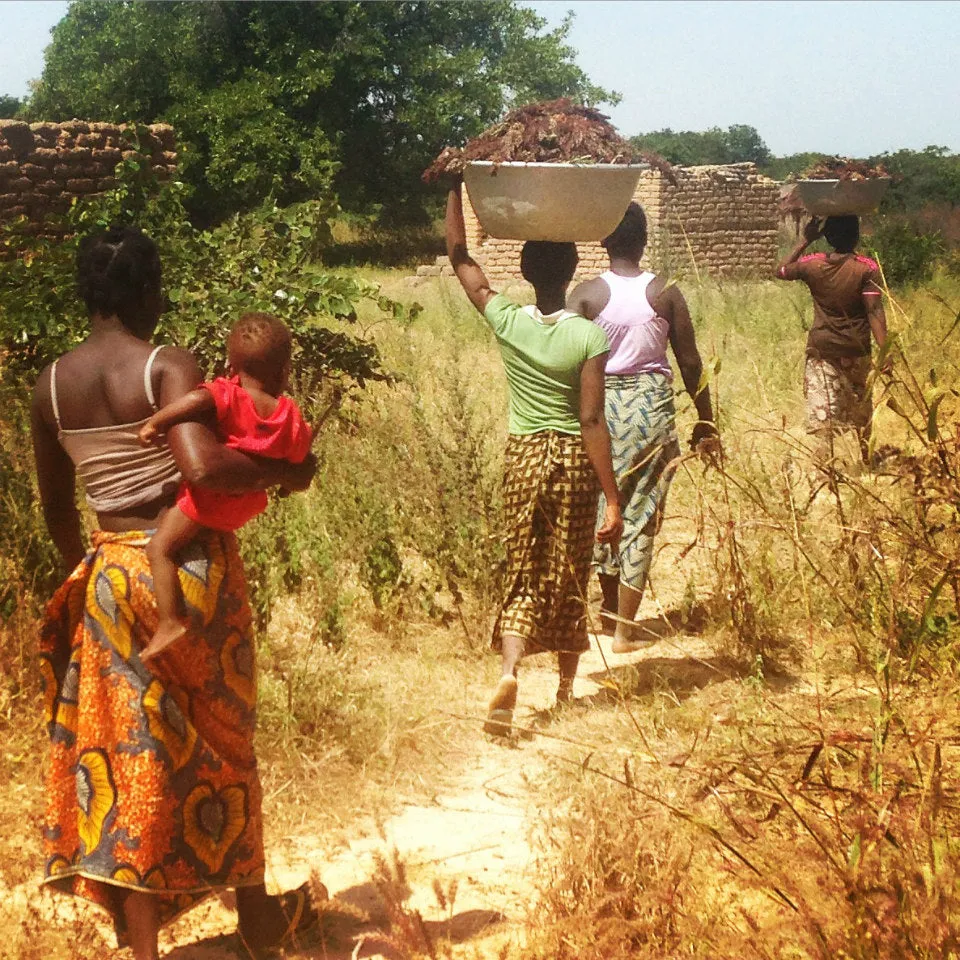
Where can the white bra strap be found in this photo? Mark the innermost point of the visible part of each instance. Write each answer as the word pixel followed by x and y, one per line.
pixel 53 393
pixel 148 380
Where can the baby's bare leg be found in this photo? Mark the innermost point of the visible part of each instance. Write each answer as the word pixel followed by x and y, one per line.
pixel 176 531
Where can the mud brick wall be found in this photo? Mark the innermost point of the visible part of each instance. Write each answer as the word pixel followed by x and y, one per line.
pixel 43 166
pixel 719 221
pixel 716 221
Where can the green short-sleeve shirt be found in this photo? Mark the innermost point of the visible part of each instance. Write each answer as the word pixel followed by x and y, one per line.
pixel 543 356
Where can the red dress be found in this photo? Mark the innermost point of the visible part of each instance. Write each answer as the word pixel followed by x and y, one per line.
pixel 284 435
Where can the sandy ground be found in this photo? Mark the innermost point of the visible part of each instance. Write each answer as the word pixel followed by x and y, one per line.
pixel 478 831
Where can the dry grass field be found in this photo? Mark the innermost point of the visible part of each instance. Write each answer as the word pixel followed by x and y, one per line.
pixel 776 777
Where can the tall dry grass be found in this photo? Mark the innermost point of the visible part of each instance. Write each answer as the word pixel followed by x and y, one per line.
pixel 381 581
pixel 806 806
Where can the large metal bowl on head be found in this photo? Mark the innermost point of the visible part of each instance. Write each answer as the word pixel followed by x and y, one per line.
pixel 550 201
pixel 832 198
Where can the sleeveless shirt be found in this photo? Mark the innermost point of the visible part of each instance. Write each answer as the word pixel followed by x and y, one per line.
pixel 117 470
pixel 638 335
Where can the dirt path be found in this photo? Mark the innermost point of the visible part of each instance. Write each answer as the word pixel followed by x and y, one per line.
pixel 476 832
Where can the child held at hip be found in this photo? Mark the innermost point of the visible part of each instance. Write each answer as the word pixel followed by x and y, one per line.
pixel 253 416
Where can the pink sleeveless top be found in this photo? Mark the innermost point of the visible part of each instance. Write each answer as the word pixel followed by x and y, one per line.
pixel 638 336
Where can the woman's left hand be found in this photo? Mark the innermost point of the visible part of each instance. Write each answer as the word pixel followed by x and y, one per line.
pixel 611 529
pixel 298 476
pixel 705 440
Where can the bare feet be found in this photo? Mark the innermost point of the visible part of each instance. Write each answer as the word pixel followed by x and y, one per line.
pixel 628 640
pixel 631 646
pixel 500 710
pixel 168 632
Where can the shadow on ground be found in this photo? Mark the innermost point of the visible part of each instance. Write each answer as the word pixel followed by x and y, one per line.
pixel 677 676
pixel 355 925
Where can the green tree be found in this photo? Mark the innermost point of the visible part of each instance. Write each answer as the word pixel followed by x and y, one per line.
pixel 792 165
pixel 9 106
pixel 737 144
pixel 295 99
pixel 921 178
pixel 743 143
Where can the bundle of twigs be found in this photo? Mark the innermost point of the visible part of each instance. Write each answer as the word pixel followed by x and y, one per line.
pixel 554 131
pixel 843 168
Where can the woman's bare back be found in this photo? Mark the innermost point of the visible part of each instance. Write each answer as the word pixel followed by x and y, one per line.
pixel 101 382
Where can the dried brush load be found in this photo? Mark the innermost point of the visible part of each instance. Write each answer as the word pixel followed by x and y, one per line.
pixel 843 168
pixel 837 186
pixel 553 131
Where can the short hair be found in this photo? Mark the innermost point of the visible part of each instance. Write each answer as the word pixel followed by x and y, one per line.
pixel 117 270
pixel 630 235
pixel 543 262
pixel 259 344
pixel 842 233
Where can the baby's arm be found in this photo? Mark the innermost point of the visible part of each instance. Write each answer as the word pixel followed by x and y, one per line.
pixel 192 406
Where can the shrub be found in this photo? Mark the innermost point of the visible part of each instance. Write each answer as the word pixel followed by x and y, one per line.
pixel 266 260
pixel 906 254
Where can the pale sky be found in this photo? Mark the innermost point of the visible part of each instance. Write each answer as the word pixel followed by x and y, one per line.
pixel 854 78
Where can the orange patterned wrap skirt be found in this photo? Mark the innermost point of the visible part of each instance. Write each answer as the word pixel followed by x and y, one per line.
pixel 152 781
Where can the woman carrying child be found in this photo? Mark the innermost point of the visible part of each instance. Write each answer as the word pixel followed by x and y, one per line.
pixel 557 460
pixel 153 797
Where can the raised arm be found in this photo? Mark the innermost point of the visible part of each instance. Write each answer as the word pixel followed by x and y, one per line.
pixel 596 441
pixel 672 306
pixel 811 232
pixel 56 478
pixel 468 271
pixel 206 462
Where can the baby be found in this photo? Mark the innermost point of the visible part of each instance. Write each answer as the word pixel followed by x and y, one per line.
pixel 252 416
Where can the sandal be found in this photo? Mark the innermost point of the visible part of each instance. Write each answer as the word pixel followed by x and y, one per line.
pixel 297 906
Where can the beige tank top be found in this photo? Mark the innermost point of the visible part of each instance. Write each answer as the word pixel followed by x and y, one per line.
pixel 118 472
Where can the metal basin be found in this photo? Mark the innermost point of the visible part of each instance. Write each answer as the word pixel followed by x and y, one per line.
pixel 550 201
pixel 838 197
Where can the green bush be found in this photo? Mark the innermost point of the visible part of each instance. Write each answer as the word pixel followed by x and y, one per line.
pixel 906 254
pixel 266 260
pixel 28 560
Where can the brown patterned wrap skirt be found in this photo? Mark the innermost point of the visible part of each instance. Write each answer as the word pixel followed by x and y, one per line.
pixel 550 506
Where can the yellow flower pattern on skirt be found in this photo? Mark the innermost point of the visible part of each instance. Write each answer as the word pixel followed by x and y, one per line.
pixel 152 783
pixel 96 797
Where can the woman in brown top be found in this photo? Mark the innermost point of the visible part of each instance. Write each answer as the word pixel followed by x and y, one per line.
pixel 847 309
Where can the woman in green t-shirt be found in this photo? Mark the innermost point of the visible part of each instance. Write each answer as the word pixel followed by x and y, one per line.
pixel 557 460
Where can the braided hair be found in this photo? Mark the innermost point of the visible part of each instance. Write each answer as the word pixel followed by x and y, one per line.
pixel 117 270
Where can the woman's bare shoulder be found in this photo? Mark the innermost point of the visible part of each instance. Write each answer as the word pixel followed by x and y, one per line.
pixel 176 360
pixel 664 296
pixel 40 395
pixel 172 355
pixel 589 297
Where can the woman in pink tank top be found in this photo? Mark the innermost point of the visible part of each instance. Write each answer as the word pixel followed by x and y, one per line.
pixel 640 314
